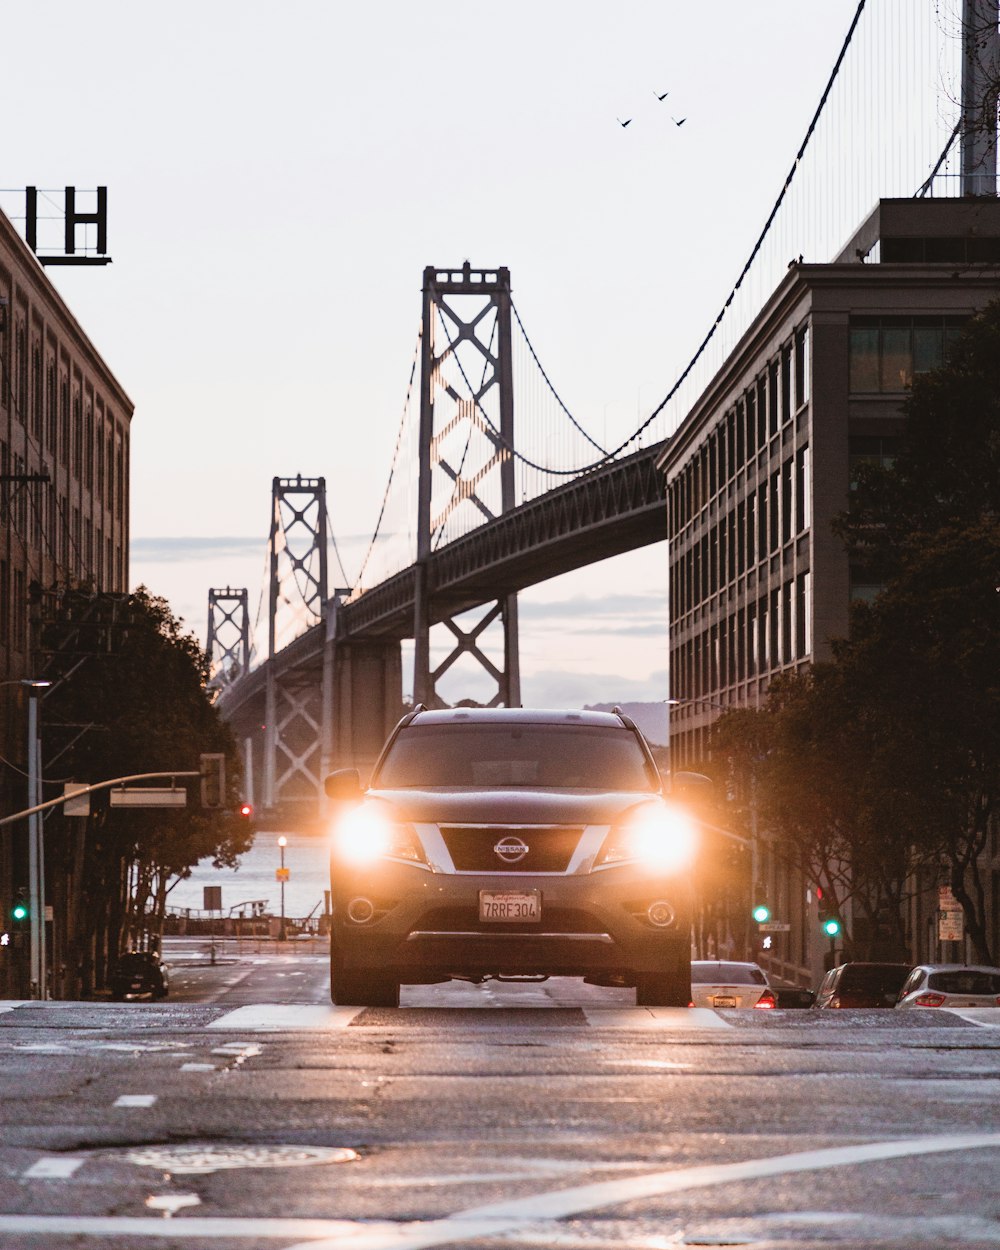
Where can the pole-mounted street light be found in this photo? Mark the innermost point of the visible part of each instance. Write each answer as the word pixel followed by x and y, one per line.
pixel 36 848
pixel 282 843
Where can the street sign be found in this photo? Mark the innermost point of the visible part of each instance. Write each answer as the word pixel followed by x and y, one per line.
pixel 775 926
pixel 951 926
pixel 282 874
pixel 212 897
pixel 149 796
pixel 76 807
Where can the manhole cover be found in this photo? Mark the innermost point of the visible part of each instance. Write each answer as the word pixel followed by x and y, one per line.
pixel 189 1160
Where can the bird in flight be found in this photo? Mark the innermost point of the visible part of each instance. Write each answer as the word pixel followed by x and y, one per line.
pixel 661 98
pixel 625 123
pixel 678 123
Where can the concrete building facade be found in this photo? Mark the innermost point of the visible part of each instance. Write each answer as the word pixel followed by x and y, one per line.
pixel 758 469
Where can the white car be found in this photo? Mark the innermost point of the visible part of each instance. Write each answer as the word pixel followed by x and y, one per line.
pixel 723 983
pixel 951 985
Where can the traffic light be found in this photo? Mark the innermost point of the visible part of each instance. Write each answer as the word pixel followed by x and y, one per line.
pixel 246 811
pixel 20 911
pixel 761 913
pixel 213 781
pixel 830 926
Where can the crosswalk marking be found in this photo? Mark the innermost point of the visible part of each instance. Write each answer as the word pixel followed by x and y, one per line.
pixel 135 1100
pixel 52 1168
pixel 277 1017
pixel 681 1018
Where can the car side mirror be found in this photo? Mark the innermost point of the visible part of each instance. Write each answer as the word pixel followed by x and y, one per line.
pixel 343 785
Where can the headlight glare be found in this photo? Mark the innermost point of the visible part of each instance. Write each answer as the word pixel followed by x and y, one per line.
pixel 363 835
pixel 661 838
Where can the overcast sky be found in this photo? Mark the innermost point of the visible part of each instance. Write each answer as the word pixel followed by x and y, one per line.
pixel 280 174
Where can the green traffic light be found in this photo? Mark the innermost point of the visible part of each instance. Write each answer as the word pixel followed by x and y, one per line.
pixel 831 927
pixel 761 913
pixel 19 911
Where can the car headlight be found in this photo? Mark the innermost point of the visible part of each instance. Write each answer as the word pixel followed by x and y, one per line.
pixel 662 838
pixel 363 835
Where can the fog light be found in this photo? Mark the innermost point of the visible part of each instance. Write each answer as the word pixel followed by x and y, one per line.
pixel 660 913
pixel 360 910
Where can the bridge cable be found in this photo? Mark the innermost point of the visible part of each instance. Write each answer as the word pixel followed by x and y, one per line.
pixel 760 241
pixel 611 455
pixel 548 382
pixel 395 456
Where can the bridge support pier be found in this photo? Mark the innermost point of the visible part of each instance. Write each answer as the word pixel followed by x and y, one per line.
pixel 366 684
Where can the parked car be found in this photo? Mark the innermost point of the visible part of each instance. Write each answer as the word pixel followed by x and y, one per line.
pixel 951 985
pixel 792 996
pixel 862 985
pixel 513 844
pixel 724 983
pixel 140 974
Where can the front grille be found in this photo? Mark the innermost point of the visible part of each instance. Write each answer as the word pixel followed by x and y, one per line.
pixel 550 847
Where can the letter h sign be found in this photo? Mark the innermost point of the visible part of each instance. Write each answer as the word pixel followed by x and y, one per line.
pixel 72 219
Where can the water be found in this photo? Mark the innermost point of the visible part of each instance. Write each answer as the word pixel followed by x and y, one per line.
pixel 306 858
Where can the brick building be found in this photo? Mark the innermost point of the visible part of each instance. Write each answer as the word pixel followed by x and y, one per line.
pixel 64 496
pixel 763 462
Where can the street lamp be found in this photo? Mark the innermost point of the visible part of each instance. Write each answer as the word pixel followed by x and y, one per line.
pixel 282 843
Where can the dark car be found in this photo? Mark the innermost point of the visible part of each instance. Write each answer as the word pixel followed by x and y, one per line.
pixel 140 974
pixel 512 844
pixel 792 997
pixel 862 985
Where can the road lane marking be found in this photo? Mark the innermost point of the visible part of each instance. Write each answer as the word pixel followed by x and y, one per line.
pixel 484 1221
pixel 679 1018
pixel 53 1168
pixel 135 1100
pixel 11 1005
pixel 278 1018
pixel 985 1017
pixel 495 1219
pixel 170 1204
pixel 198 1067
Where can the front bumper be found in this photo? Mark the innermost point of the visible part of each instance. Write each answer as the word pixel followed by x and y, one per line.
pixel 426 925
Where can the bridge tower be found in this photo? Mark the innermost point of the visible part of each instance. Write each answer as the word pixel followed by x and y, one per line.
pixel 443 486
pixel 294 729
pixel 980 84
pixel 228 642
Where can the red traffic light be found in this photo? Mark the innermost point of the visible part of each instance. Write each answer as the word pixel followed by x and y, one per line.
pixel 246 810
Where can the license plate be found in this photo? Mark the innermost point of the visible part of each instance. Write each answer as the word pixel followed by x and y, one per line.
pixel 137 985
pixel 506 905
pixel 723 1000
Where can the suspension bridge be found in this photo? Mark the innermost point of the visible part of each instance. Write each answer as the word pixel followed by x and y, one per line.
pixel 496 485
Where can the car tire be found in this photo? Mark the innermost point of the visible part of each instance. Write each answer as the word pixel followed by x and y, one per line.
pixel 353 989
pixel 664 989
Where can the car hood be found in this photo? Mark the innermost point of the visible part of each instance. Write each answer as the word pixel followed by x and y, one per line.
pixel 513 806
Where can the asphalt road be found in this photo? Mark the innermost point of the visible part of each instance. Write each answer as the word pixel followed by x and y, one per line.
pixel 247 1111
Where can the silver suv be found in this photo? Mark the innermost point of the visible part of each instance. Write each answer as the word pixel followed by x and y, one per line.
pixel 510 844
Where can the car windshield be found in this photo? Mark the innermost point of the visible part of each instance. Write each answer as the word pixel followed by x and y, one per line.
pixel 550 756
pixel 874 979
pixel 965 981
pixel 726 974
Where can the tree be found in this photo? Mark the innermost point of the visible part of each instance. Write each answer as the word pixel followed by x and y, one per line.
pixel 925 655
pixel 143 707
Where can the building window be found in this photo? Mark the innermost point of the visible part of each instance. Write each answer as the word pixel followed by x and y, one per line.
pixel 20 606
pixel 865 449
pixel 77 436
pixel 64 421
pixel 802 612
pixel 886 352
pixel 802 367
